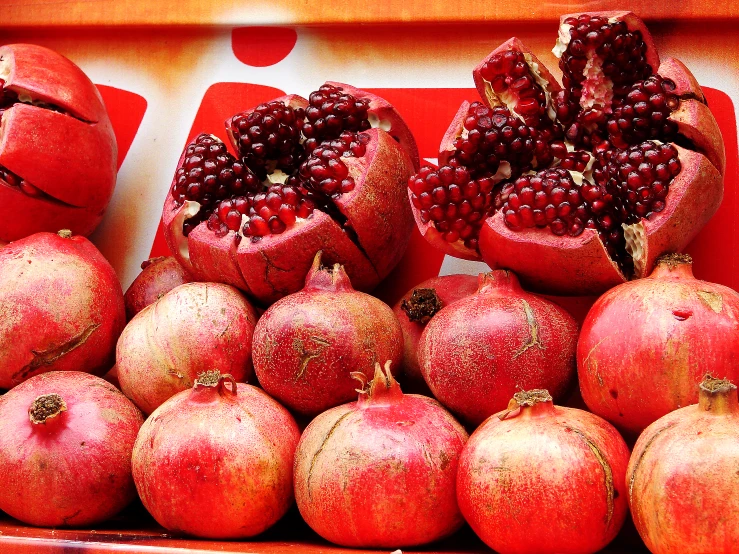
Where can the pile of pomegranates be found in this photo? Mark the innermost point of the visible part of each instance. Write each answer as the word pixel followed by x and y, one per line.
pixel 580 186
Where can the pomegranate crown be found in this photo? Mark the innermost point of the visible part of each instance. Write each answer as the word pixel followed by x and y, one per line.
pixel 526 399
pixel 382 386
pixel 718 396
pixel 327 277
pixel 214 379
pixel 46 407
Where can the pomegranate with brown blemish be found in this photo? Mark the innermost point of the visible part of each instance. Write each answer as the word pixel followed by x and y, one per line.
pixel 380 472
pixel 544 478
pixel 660 334
pixel 307 344
pixel 193 328
pixel 62 307
pixel 59 153
pixel 476 352
pixel 636 152
pixel 66 440
pixel 326 174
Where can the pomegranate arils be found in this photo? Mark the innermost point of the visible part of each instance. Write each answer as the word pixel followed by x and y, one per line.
pixel 455 203
pixel 331 111
pixel 325 172
pixel 270 132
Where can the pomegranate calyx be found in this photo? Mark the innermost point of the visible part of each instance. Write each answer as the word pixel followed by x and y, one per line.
pixel 214 380
pixel 673 266
pixel 45 408
pixel 152 261
pixel 383 389
pixel 718 396
pixel 331 278
pixel 498 281
pixel 65 233
pixel 422 305
pixel 532 402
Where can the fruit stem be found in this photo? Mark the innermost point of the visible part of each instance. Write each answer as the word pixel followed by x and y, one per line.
pixel 327 278
pixel 65 233
pixel 215 381
pixel 718 396
pixel 382 390
pixel 46 409
pixel 422 305
pixel 526 404
pixel 673 266
pixel 498 282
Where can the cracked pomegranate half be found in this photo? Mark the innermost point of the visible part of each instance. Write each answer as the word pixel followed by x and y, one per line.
pixel 327 173
pixel 58 153
pixel 580 186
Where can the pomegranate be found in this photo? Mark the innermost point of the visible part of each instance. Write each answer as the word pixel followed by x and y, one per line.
pixel 307 344
pixel 309 175
pixel 578 187
pixel 65 450
pixel 158 276
pixel 193 327
pixel 544 478
pixel 478 351
pixel 61 305
pixel 58 154
pixel 380 472
pixel 661 334
pixel 682 477
pixel 216 461
pixel 419 305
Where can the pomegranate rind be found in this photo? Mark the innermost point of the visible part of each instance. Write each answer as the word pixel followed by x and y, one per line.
pixel 686 85
pixel 695 195
pixel 696 122
pixel 62 307
pixel 538 70
pixel 51 78
pixel 388 119
pixel 547 263
pixel 633 23
pixel 454 131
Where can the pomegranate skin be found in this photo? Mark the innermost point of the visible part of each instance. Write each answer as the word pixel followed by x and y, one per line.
pixel 380 472
pixel 660 334
pixel 74 469
pixel 216 462
pixel 682 478
pixel 194 327
pixel 306 344
pixel 68 160
pixel 158 276
pixel 478 351
pixel 62 307
pixel 432 295
pixel 544 478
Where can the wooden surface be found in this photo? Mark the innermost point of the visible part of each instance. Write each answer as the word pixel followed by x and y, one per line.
pixel 136 531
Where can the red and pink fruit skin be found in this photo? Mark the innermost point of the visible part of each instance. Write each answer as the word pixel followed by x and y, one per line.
pixel 62 308
pixel 544 479
pixel 380 472
pixel 74 469
pixel 682 477
pixel 215 464
pixel 475 353
pixel 158 276
pixel 307 344
pixel 70 158
pixel 193 328
pixel 448 289
pixel 661 334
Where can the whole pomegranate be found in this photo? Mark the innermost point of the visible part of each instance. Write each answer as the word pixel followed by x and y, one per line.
pixel 682 477
pixel 380 472
pixel 544 478
pixel 419 305
pixel 192 328
pixel 61 305
pixel 307 344
pixel 65 450
pixel 478 351
pixel 158 276
pixel 216 461
pixel 58 154
pixel 326 173
pixel 645 345
pixel 578 187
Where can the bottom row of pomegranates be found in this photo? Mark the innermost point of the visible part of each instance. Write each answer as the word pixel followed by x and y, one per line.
pixel 225 460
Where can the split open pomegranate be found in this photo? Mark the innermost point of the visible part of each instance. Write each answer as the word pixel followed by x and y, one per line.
pixel 580 186
pixel 327 173
pixel 58 152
